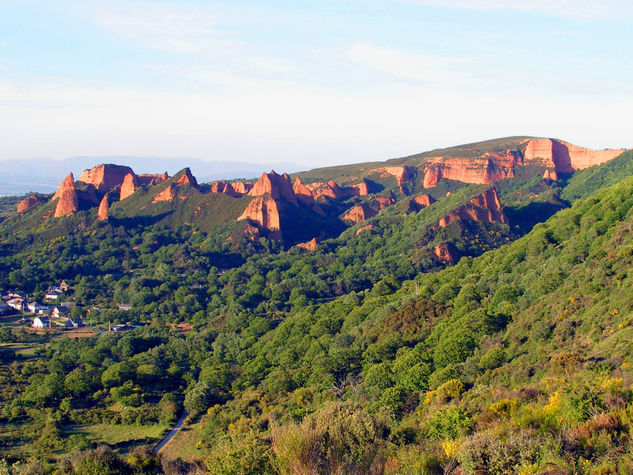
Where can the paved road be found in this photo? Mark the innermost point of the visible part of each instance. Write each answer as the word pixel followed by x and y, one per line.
pixel 174 430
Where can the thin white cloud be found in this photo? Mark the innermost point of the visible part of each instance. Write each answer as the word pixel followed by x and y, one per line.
pixel 162 27
pixel 577 9
pixel 413 67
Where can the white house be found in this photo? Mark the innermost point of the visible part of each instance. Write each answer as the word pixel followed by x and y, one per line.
pixel 52 295
pixel 41 322
pixel 35 307
pixel 59 312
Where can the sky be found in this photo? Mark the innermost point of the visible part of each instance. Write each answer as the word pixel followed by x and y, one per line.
pixel 314 83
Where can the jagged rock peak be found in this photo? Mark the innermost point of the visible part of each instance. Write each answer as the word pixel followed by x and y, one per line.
pixel 129 185
pixel 264 213
pixel 66 195
pixel 105 177
pixel 311 245
pixel 187 178
pixel 28 203
pixel 484 207
pixel 103 212
pixel 278 186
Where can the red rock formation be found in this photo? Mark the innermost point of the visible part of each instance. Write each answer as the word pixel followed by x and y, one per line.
pixel 264 212
pixel 105 177
pixel 241 187
pixel 419 202
pixel 550 175
pixel 485 207
pixel 278 186
pixel 564 157
pixel 146 179
pixel 187 179
pixel 382 202
pixel 402 174
pixel 445 252
pixel 332 190
pixel 362 187
pixel 302 192
pixel 128 187
pixel 223 186
pixel 102 213
pixel 28 203
pixel 168 194
pixel 483 170
pixel 66 195
pixel 359 213
pixel 308 246
pixel 367 227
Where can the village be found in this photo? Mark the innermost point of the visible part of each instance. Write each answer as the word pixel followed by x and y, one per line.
pixel 56 313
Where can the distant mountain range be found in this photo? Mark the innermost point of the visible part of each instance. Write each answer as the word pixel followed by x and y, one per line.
pixel 43 175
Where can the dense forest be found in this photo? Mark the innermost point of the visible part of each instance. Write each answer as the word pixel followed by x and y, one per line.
pixel 366 355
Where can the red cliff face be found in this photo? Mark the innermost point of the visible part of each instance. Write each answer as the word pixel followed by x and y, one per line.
pixel 419 202
pixel 445 252
pixel 362 188
pixel 485 207
pixel 102 213
pixel 278 186
pixel 401 174
pixel 67 202
pixel 129 185
pixel 264 213
pixel 105 177
pixel 28 203
pixel 146 179
pixel 550 175
pixel 359 213
pixel 168 194
pixel 223 186
pixel 564 157
pixel 241 187
pixel 302 192
pixel 483 170
pixel 187 179
pixel 308 246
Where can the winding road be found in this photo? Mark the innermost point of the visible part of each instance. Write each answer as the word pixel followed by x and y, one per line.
pixel 174 430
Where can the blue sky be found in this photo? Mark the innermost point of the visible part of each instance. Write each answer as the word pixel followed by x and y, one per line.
pixel 311 82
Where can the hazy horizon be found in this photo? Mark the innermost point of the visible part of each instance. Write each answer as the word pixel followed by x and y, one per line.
pixel 314 83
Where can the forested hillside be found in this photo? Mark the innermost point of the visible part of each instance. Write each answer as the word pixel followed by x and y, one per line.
pixel 461 335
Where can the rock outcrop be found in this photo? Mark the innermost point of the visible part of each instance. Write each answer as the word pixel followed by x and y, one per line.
pixel 223 186
pixel 146 179
pixel 264 213
pixel 486 169
pixel 129 186
pixel 66 196
pixel 103 212
pixel 564 157
pixel 28 203
pixel 168 194
pixel 241 187
pixel 308 246
pixel 277 186
pixel 419 202
pixel 105 177
pixel 359 213
pixel 302 192
pixel 187 179
pixel 401 174
pixel 550 175
pixel 484 208
pixel 445 252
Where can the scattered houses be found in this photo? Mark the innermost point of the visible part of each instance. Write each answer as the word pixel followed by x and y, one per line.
pixel 125 306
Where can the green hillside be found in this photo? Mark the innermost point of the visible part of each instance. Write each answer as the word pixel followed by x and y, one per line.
pixel 367 355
